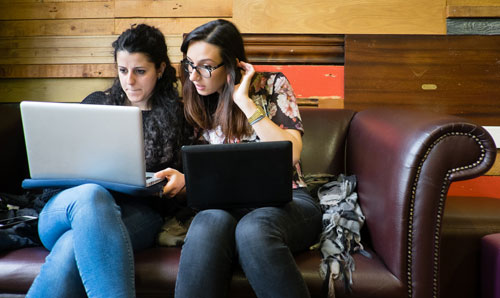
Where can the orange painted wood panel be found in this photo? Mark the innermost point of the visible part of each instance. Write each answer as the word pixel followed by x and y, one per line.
pixel 312 80
pixel 483 186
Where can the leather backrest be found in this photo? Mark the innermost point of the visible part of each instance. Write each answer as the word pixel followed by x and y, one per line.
pixel 324 139
pixel 323 143
pixel 13 161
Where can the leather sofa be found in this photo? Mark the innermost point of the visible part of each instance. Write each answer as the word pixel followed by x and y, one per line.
pixel 490 266
pixel 404 161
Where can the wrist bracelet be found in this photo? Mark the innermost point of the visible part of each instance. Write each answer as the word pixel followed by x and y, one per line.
pixel 257 119
pixel 256 116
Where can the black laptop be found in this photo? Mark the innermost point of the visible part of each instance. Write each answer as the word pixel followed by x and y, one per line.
pixel 242 175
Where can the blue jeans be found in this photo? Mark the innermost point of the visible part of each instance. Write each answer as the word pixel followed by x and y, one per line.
pixel 263 241
pixel 91 240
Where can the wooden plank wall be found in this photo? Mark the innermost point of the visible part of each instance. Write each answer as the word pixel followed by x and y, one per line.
pixel 473 17
pixel 50 46
pixel 453 74
pixel 341 16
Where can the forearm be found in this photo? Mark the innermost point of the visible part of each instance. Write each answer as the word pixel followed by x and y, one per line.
pixel 267 130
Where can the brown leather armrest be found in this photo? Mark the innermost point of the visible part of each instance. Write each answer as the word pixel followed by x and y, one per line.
pixel 405 161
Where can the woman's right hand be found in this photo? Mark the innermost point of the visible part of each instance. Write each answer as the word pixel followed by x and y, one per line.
pixel 175 182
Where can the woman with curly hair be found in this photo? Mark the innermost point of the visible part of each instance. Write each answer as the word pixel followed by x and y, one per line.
pixel 91 233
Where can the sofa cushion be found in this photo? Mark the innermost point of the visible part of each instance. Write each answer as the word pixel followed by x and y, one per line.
pixel 156 272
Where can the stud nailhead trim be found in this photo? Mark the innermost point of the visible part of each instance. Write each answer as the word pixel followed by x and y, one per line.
pixel 444 187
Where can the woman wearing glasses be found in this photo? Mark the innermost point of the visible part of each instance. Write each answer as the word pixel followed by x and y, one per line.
pixel 262 107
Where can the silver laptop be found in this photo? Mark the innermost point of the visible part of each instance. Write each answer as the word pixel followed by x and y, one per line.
pixel 83 141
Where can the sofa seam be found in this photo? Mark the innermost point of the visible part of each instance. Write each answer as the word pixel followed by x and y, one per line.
pixel 440 212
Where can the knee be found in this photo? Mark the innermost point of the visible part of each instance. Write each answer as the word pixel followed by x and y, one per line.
pixel 94 198
pixel 93 193
pixel 92 189
pixel 256 230
pixel 212 224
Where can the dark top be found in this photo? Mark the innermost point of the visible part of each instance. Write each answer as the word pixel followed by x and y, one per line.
pixel 163 136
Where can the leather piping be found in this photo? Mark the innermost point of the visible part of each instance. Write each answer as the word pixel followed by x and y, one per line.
pixel 442 197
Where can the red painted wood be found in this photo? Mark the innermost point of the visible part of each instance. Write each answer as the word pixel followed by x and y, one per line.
pixel 311 80
pixel 483 186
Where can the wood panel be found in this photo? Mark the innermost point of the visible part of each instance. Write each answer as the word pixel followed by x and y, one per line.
pixel 48 1
pixel 82 27
pixel 472 11
pixel 450 74
pixel 8 71
pixel 61 71
pixel 68 50
pixel 340 16
pixel 169 26
pixel 473 26
pixel 168 8
pixel 472 3
pixel 320 82
pixel 294 48
pixel 92 56
pixel 472 8
pixel 495 170
pixel 56 10
pixel 16 90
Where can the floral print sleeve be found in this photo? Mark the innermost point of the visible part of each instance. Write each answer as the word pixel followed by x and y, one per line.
pixel 273 92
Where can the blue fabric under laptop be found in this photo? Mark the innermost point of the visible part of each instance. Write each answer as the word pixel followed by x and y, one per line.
pixel 153 190
pixel 242 175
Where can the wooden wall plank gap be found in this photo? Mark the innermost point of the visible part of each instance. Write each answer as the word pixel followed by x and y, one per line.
pixel 56 10
pixel 180 8
pixel 38 71
pixel 168 25
pixel 82 27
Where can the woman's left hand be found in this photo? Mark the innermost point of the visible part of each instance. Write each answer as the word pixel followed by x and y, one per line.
pixel 175 182
pixel 240 94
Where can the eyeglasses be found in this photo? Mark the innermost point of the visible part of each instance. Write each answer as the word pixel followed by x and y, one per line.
pixel 203 70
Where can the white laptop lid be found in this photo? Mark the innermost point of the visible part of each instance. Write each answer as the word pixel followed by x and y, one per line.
pixel 83 141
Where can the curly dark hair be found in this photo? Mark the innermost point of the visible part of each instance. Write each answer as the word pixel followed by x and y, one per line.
pixel 165 130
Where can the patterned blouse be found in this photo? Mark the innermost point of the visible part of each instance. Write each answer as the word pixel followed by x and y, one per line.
pixel 273 92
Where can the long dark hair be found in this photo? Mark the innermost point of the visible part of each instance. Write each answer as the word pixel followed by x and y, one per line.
pixel 199 110
pixel 166 130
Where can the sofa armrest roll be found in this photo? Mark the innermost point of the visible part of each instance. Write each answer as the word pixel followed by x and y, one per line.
pixel 404 161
